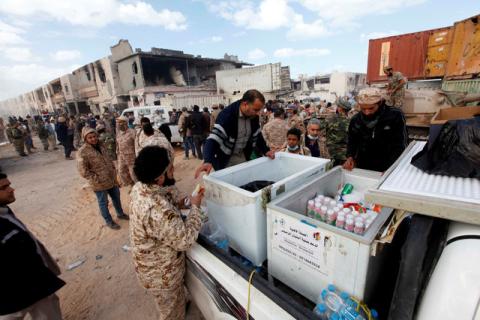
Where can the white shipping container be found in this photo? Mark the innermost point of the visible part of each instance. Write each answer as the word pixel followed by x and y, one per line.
pixel 307 254
pixel 240 213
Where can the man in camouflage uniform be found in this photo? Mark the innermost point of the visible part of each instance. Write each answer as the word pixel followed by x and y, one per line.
pixel 125 151
pixel 158 234
pixel 17 135
pixel 42 134
pixel 295 121
pixel 2 131
pixel 336 132
pixel 395 87
pixel 275 131
pixel 108 140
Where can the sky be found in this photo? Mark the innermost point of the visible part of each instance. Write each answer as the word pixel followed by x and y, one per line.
pixel 43 39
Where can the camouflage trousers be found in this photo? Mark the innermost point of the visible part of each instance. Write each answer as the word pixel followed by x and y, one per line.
pixel 323 148
pixel 19 145
pixel 125 172
pixel 170 302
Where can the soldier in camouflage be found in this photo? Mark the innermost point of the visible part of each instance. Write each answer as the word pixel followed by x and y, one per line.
pixel 42 134
pixel 158 234
pixel 108 140
pixel 336 132
pixel 275 131
pixel 17 135
pixel 125 151
pixel 395 88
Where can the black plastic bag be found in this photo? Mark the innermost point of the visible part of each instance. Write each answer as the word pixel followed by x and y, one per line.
pixel 256 185
pixel 452 150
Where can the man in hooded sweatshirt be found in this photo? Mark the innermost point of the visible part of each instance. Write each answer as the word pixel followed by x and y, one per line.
pixel 95 165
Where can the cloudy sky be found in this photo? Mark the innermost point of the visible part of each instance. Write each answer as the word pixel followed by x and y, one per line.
pixel 43 39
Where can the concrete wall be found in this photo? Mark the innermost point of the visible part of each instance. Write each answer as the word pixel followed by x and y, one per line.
pixel 265 78
pixel 121 50
pixel 126 75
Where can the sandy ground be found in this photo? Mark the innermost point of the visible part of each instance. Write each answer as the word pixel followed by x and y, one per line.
pixel 53 203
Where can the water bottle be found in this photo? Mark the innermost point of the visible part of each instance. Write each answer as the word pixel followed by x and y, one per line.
pixel 320 311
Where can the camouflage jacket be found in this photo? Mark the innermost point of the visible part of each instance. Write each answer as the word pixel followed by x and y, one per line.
pixel 396 98
pixel 108 140
pixel 158 235
pixel 157 139
pixel 296 121
pixel 336 132
pixel 126 145
pixel 275 133
pixel 96 167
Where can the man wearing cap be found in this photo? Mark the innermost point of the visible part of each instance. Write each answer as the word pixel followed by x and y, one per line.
pixel 125 151
pixel 336 132
pixel 97 167
pixel 395 87
pixel 377 135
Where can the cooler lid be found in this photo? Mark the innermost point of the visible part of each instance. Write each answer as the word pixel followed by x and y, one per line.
pixel 405 187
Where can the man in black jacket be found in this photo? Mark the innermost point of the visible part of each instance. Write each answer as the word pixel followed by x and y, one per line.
pixel 198 126
pixel 28 274
pixel 377 135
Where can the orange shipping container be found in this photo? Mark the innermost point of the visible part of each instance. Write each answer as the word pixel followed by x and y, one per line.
pixel 464 58
pixel 438 52
pixel 406 53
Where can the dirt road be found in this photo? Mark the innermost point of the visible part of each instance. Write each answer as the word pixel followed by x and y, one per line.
pixel 65 217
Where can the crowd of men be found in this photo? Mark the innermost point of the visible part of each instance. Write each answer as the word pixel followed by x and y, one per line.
pixel 370 135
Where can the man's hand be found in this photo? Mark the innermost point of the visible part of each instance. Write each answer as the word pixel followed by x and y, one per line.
pixel 349 164
pixel 205 167
pixel 270 154
pixel 197 199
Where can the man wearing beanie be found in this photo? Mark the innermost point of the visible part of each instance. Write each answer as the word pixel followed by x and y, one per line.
pixel 95 165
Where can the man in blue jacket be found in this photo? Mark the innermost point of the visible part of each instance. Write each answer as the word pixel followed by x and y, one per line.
pixel 28 274
pixel 236 134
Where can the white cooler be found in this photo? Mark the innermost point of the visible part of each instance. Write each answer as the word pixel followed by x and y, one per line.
pixel 240 213
pixel 307 254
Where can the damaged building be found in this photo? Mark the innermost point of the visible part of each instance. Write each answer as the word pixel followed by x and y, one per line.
pixel 168 77
pixel 271 79
pixel 328 86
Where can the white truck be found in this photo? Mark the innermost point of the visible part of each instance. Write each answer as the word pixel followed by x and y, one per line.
pixel 418 260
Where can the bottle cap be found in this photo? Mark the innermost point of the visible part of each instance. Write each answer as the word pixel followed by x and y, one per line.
pixel 359 224
pixel 324 293
pixel 346 210
pixel 330 212
pixel 344 295
pixel 321 307
pixel 341 218
pixel 349 221
pixel 336 209
pixel 331 288
pixel 311 202
pixel 324 208
pixel 374 313
pixel 334 316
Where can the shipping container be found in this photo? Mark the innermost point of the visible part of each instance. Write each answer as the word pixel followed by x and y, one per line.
pixel 464 59
pixel 405 53
pixel 438 52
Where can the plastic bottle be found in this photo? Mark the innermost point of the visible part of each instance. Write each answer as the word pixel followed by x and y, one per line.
pixel 321 311
pixel 331 216
pixel 311 209
pixel 359 227
pixel 349 225
pixel 374 314
pixel 320 198
pixel 333 204
pixel 326 200
pixel 340 223
pixel 323 216
pixel 318 213
pixel 346 210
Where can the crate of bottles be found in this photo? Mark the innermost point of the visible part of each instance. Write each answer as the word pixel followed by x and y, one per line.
pixel 322 232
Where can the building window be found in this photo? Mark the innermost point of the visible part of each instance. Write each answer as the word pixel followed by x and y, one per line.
pixel 66 88
pixel 134 82
pixel 134 67
pixel 88 76
pixel 102 76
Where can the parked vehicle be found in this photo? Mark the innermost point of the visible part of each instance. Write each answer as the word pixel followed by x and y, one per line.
pixel 151 113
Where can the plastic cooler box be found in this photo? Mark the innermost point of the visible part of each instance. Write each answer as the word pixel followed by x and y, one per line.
pixel 240 213
pixel 307 254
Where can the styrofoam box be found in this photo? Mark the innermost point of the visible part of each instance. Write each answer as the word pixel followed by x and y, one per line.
pixel 240 213
pixel 307 254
